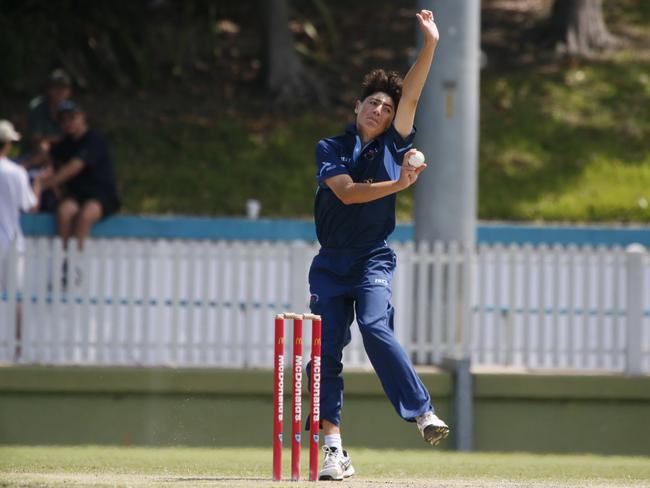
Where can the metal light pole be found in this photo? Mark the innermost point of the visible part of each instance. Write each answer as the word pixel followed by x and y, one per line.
pixel 448 123
pixel 445 195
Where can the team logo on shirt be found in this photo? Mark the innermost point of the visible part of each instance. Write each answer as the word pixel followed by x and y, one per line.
pixel 326 167
pixel 369 180
pixel 370 153
pixel 313 298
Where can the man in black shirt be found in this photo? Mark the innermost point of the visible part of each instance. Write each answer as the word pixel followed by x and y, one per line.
pixel 83 167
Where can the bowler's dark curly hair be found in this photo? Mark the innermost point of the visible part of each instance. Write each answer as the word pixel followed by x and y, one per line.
pixel 378 80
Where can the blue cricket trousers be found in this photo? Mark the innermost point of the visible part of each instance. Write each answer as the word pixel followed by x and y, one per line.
pixel 358 281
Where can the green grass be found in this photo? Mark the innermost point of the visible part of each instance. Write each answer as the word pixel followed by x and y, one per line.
pixel 560 140
pixel 119 466
pixel 562 143
pixel 193 168
pixel 569 144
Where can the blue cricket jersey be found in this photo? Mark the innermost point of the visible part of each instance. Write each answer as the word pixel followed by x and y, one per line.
pixel 363 224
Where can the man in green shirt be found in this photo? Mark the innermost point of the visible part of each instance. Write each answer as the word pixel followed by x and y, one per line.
pixel 43 130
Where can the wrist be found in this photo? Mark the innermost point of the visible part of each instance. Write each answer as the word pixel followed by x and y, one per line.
pixel 430 42
pixel 400 185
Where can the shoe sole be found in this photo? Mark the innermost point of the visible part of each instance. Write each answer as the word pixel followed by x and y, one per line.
pixel 327 477
pixel 434 434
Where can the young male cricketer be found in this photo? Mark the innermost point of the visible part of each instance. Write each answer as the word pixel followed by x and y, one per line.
pixel 359 174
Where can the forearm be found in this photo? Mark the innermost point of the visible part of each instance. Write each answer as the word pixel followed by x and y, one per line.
pixel 352 193
pixel 35 160
pixel 412 89
pixel 417 75
pixel 67 172
pixel 37 189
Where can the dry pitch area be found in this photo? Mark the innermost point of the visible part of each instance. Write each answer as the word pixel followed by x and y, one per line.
pixel 81 480
pixel 187 467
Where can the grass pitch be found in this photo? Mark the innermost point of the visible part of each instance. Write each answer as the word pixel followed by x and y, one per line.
pixel 184 467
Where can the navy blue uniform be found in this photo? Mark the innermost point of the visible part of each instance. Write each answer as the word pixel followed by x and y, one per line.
pixel 352 273
pixel 97 178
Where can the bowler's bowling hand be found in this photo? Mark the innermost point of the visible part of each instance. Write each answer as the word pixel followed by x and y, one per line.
pixel 409 174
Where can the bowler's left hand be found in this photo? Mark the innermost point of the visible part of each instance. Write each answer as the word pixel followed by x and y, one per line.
pixel 428 26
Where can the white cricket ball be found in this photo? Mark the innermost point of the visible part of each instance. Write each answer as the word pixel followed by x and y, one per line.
pixel 416 159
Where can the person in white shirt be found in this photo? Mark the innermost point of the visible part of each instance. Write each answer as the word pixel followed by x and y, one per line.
pixel 16 195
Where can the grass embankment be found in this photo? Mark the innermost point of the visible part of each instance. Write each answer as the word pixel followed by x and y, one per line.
pixel 189 168
pixel 112 466
pixel 560 140
pixel 563 143
pixel 570 144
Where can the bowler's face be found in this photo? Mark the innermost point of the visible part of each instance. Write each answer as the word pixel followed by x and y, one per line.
pixel 375 114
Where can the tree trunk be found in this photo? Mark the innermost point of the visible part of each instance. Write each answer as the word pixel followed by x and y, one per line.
pixel 580 28
pixel 288 81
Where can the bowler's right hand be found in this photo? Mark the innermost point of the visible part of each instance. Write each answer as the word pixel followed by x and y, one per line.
pixel 409 174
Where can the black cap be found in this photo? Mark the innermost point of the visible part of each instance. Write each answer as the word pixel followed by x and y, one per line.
pixel 59 77
pixel 68 106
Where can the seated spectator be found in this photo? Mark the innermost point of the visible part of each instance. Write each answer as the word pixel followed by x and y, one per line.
pixel 15 195
pixel 42 125
pixel 43 130
pixel 83 168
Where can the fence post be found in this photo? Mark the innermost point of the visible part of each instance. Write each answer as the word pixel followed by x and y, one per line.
pixel 634 264
pixel 299 294
pixel 463 402
pixel 11 269
pixel 467 287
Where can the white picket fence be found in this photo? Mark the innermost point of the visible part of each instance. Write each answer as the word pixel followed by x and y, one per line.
pixel 212 303
pixel 556 307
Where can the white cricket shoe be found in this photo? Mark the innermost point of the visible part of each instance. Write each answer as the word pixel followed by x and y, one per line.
pixel 432 428
pixel 336 466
